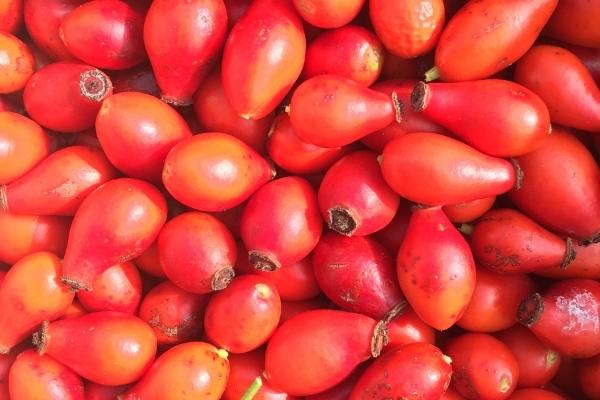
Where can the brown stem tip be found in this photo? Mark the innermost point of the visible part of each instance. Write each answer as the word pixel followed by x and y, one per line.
pixel 595 238
pixel 380 337
pixel 398 107
pixel 176 102
pixel 420 96
pixel 519 174
pixel 570 254
pixel 3 199
pixel 75 285
pixel 342 221
pixel 95 85
pixel 222 278
pixel 263 262
pixel 530 309
pixel 40 338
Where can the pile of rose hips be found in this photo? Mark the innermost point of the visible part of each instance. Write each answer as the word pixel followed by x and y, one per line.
pixel 259 199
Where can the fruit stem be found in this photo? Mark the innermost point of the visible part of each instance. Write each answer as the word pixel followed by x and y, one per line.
pixel 530 309
pixel 95 85
pixel 467 229
pixel 40 338
pixel 380 337
pixel 222 278
pixel 3 199
pixel 253 389
pixel 262 262
pixel 75 285
pixel 342 221
pixel 595 238
pixel 570 254
pixel 419 98
pixel 520 175
pixel 433 74
pixel 398 107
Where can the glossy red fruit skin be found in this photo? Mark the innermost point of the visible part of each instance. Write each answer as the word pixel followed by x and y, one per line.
pixel 468 211
pixel 392 235
pixel 255 89
pixel 411 120
pixel 351 51
pixel 58 184
pixel 588 372
pixel 95 391
pixel 344 109
pixel 197 252
pixel 17 65
pixel 136 79
pixel 534 393
pixel 289 309
pixel 327 13
pixel 586 264
pixel 244 368
pixel 182 57
pixel 43 19
pixel 408 28
pixel 506 241
pixel 140 123
pixel 24 144
pixel 11 15
pixel 435 268
pixel 214 171
pixel 487 36
pixel 357 274
pixel 408 328
pixel 324 346
pixel 119 288
pixel 495 301
pixel 105 33
pixel 342 390
pixel 418 370
pixel 581 14
pixel 73 108
pixel 243 316
pixel 133 213
pixel 484 367
pixel 497 117
pixel 281 223
pixel 576 101
pixel 149 262
pixel 33 376
pixel 215 114
pixel 30 293
pixel 91 345
pixel 296 156
pixel 459 174
pixel 588 56
pixel 538 363
pixel 175 315
pixel 294 282
pixel 197 369
pixel 566 317
pixel 568 202
pixel 26 234
pixel 354 199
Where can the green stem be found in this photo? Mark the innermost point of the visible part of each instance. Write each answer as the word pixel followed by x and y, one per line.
pixel 467 229
pixel 432 75
pixel 253 389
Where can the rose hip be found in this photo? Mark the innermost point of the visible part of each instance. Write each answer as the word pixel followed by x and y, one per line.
pixel 91 345
pixel 214 171
pixel 11 15
pixel 197 369
pixel 281 223
pixel 74 106
pixel 34 376
pixel 357 274
pixel 197 252
pixel 175 315
pixel 468 211
pixel 119 288
pixel 59 184
pixel 243 316
pixel 140 123
pixel 17 65
pixel 133 212
pixel 30 293
pixel 328 13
